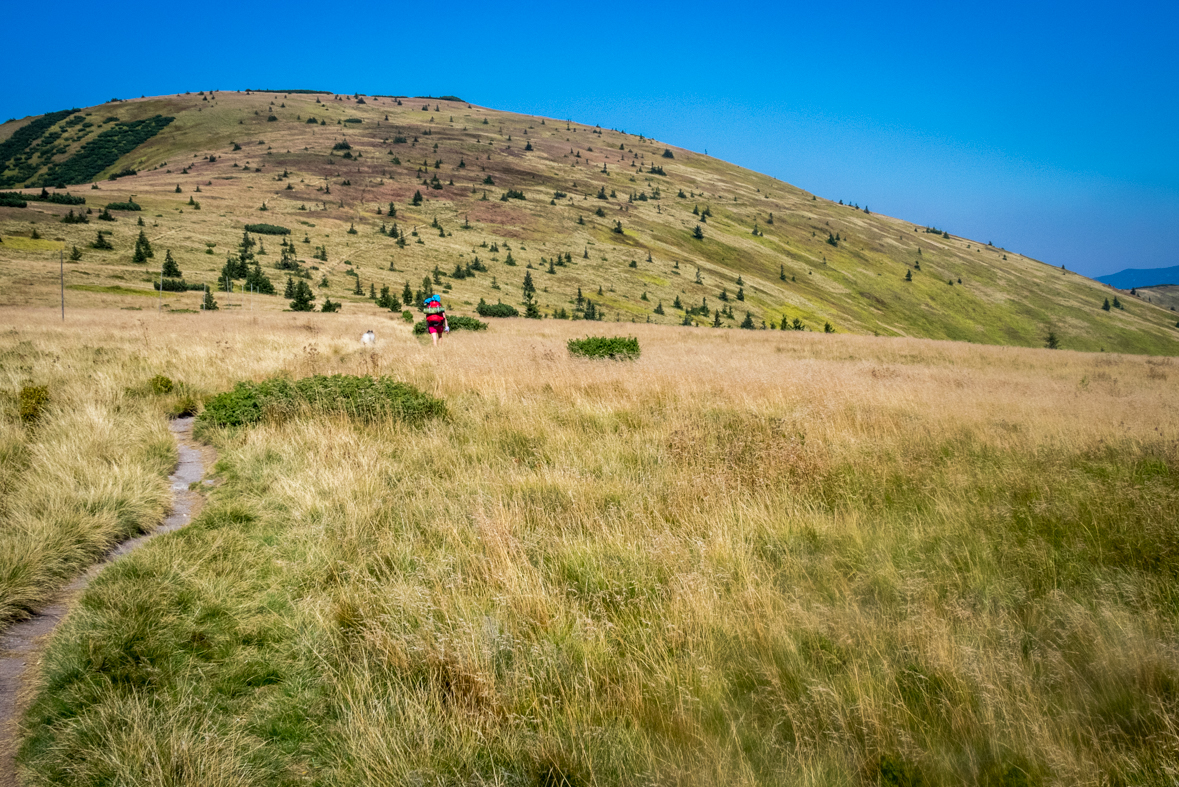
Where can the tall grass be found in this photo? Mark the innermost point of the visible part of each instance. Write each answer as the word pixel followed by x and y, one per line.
pixel 746 558
pixel 88 471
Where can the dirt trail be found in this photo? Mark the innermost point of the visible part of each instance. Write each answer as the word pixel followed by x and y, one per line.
pixel 22 643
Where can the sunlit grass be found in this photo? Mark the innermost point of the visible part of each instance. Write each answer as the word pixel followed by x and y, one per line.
pixel 744 558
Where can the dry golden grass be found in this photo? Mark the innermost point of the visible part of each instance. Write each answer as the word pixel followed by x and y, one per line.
pixel 746 558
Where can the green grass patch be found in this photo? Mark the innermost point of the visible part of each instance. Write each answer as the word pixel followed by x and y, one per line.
pixel 621 348
pixel 362 398
pixel 112 289
pixel 16 242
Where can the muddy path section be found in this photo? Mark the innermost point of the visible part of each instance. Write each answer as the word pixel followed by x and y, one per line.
pixel 22 643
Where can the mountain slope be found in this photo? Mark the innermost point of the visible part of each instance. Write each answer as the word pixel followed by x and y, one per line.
pixel 619 211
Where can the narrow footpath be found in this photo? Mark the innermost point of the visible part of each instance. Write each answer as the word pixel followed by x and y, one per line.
pixel 22 643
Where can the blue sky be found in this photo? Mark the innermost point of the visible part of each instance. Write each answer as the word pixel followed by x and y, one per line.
pixel 1047 128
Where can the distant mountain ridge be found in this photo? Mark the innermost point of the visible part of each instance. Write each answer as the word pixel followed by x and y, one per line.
pixel 1141 277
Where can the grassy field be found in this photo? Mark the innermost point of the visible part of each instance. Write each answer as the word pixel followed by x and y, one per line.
pixel 744 558
pixel 212 171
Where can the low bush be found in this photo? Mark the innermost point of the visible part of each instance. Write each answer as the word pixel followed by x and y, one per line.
pixel 621 348
pixel 123 206
pixel 267 229
pixel 177 285
pixel 363 398
pixel 485 309
pixel 455 323
pixel 44 196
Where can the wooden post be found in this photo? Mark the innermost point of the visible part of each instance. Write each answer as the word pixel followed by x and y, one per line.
pixel 61 263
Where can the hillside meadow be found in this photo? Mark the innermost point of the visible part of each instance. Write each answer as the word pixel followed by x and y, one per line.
pixel 385 191
pixel 746 557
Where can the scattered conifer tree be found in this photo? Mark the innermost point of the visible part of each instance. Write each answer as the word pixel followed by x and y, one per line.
pixel 171 269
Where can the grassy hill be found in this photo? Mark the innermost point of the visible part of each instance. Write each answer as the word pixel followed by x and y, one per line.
pixel 609 215
pixel 1165 295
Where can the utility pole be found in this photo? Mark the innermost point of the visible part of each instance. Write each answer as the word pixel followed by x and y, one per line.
pixel 160 305
pixel 61 263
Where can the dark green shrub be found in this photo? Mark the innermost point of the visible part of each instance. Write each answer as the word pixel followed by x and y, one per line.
pixel 104 150
pixel 485 309
pixel 267 229
pixel 44 196
pixel 455 323
pixel 174 285
pixel 123 206
pixel 363 398
pixel 616 347
pixel 33 399
pixel 13 201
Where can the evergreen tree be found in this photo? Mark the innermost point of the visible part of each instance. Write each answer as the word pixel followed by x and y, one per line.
pixel 698 233
pixel 1051 341
pixel 1105 306
pixel 908 275
pixel 143 243
pixel 171 269
pixel 740 293
pixel 210 303
pixel 303 298
pixel 289 292
pixel 328 306
pixel 659 308
pixel 782 273
pixel 716 323
pixel 407 294
pixel 677 303
pixel 258 282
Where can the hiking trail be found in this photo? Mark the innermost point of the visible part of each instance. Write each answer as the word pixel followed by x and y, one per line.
pixel 22 643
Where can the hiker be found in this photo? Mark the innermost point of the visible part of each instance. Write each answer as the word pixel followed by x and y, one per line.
pixel 436 318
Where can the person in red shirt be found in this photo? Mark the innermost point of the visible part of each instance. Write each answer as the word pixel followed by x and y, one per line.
pixel 436 323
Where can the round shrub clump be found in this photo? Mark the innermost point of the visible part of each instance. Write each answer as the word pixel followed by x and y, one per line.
pixel 160 385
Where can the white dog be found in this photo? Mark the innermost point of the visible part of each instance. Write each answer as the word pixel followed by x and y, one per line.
pixel 368 337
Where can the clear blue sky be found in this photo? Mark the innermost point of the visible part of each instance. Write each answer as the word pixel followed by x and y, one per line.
pixel 1051 129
